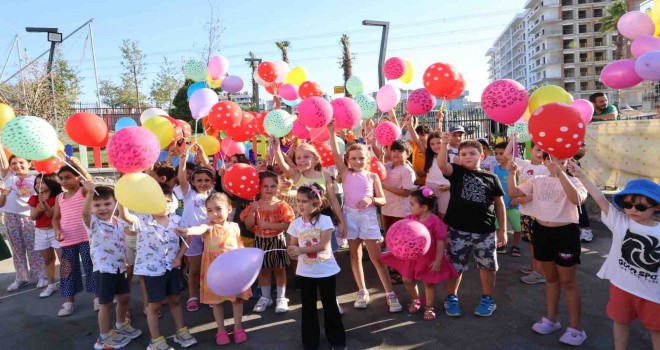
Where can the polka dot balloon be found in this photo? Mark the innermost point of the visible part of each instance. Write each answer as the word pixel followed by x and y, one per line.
pixel 504 101
pixel 355 86
pixel 386 133
pixel 420 102
pixel 558 129
pixel 522 130
pixel 195 70
pixel 325 152
pixel 242 180
pixel 394 68
pixel 278 123
pixel 367 104
pixel 408 239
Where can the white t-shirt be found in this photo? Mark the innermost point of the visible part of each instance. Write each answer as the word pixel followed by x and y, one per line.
pixel 632 264
pixel 314 265
pixel 489 164
pixel 21 190
pixel 452 152
pixel 106 245
pixel 194 208
pixel 527 171
pixel 434 176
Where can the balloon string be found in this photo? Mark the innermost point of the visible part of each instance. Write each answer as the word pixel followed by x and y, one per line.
pixel 184 242
pixel 446 120
pixel 76 170
pixel 272 250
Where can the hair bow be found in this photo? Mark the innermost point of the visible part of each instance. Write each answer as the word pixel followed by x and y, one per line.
pixel 426 191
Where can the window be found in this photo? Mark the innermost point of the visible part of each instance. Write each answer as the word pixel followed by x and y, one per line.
pixel 583 57
pixel 569 58
pixel 584 72
pixel 583 43
pixel 580 2
pixel 599 56
pixel 598 12
pixel 569 72
pixel 584 85
pixel 566 15
pixel 569 44
pixel 567 29
pixel 599 69
pixel 582 28
pixel 567 2
pixel 582 14
pixel 599 41
pixel 569 87
pixel 597 27
pixel 600 86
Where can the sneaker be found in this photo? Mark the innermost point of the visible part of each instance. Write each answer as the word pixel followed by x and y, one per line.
pixel 586 236
pixel 114 341
pixel 43 283
pixel 263 304
pixel 515 252
pixel 526 269
pixel 67 309
pixel 281 305
pixel 451 306
pixel 159 344
pixel 184 338
pixel 393 303
pixel 573 337
pixel 128 331
pixel 533 278
pixel 545 326
pixel 486 306
pixel 97 305
pixel 16 286
pixel 362 300
pixel 501 250
pixel 341 311
pixel 48 291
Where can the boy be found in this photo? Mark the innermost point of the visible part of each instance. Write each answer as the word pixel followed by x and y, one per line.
pixel 418 154
pixel 489 163
pixel 457 132
pixel 158 260
pixel 476 196
pixel 512 213
pixel 107 250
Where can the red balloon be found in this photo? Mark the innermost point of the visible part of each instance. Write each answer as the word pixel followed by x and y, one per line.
pixel 48 166
pixel 87 129
pixel 442 80
pixel 224 114
pixel 458 90
pixel 309 89
pixel 325 152
pixel 375 166
pixel 319 134
pixel 185 128
pixel 244 130
pixel 300 131
pixel 242 180
pixel 273 88
pixel 558 129
pixel 259 121
pixel 267 71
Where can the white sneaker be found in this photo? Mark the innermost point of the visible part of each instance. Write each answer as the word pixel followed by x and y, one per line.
pixel 67 309
pixel 50 289
pixel 393 303
pixel 43 283
pixel 281 305
pixel 586 235
pixel 97 305
pixel 362 300
pixel 16 285
pixel 263 304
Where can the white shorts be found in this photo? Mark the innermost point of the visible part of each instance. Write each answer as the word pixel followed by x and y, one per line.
pixel 362 224
pixel 131 242
pixel 44 239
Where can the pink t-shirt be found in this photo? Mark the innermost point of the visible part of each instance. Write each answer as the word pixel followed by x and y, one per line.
pixel 357 185
pixel 71 221
pixel 550 202
pixel 402 176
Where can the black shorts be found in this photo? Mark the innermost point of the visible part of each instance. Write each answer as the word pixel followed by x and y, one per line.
pixel 160 287
pixel 110 284
pixel 559 244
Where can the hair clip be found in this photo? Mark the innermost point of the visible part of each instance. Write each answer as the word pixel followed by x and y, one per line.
pixel 426 191
pixel 313 188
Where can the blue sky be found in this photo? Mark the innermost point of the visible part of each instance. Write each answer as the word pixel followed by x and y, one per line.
pixel 424 32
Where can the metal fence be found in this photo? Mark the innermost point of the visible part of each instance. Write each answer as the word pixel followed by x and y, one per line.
pixel 109 114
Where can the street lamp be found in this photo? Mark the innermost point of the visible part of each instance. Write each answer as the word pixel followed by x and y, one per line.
pixel 383 47
pixel 256 91
pixel 54 37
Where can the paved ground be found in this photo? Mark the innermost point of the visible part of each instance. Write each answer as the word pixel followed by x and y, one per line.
pixel 32 323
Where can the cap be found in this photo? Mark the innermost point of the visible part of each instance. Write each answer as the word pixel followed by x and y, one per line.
pixel 483 140
pixel 644 187
pixel 456 128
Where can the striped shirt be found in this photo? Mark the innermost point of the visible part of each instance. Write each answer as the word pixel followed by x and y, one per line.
pixel 71 221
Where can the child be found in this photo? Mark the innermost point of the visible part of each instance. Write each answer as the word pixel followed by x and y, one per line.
pixel 194 194
pixel 268 218
pixel 556 241
pixel 41 211
pixel 158 259
pixel 74 242
pixel 220 236
pixel 238 204
pixel 317 268
pixel 512 213
pixel 431 268
pixel 18 186
pixel 490 162
pixel 476 200
pixel 107 250
pixel 363 192
pixel 585 226
pixel 457 136
pixel 434 178
pixel 634 291
pixel 419 153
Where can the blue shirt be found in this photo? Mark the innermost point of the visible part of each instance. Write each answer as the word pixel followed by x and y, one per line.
pixel 503 175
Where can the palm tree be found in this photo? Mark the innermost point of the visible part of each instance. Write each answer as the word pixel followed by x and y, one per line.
pixel 253 65
pixel 612 15
pixel 346 60
pixel 284 46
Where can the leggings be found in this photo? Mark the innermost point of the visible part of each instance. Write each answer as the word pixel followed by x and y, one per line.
pixel 20 230
pixel 334 328
pixel 70 272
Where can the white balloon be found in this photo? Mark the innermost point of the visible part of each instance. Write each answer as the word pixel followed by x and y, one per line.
pixel 258 79
pixel 283 70
pixel 150 113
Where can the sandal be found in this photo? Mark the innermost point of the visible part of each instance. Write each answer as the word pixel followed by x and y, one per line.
pixel 222 338
pixel 192 304
pixel 240 336
pixel 415 305
pixel 515 252
pixel 429 313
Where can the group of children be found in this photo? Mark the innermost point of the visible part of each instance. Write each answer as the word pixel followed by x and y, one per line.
pixel 465 208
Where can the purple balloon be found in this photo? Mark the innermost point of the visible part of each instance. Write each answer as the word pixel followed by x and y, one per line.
pixel 620 75
pixel 644 44
pixel 635 24
pixel 234 271
pixel 647 66
pixel 288 92
pixel 232 84
pixel 201 102
pixel 218 66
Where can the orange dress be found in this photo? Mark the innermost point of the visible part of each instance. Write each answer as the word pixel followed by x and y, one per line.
pixel 216 242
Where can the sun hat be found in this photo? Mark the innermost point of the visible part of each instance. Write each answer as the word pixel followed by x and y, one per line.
pixel 644 187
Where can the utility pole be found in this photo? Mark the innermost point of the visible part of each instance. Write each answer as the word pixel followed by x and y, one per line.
pixel 256 91
pixel 383 47
pixel 55 37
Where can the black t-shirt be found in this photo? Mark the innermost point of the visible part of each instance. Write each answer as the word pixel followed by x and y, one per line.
pixel 472 201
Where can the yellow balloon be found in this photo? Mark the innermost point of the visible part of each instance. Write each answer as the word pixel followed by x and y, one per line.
pixel 527 115
pixel 6 114
pixel 162 128
pixel 407 76
pixel 296 76
pixel 209 144
pixel 655 16
pixel 548 94
pixel 214 84
pixel 656 11
pixel 60 147
pixel 141 193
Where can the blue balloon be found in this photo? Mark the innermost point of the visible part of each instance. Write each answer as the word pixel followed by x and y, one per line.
pixel 124 122
pixel 291 103
pixel 196 86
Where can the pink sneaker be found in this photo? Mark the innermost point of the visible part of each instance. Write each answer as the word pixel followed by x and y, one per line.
pixel 573 337
pixel 545 326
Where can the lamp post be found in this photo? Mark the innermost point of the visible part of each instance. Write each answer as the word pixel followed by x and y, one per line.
pixel 256 91
pixel 55 38
pixel 383 47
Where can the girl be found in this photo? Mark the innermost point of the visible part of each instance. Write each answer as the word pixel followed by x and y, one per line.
pixel 220 236
pixel 239 204
pixel 556 241
pixel 363 192
pixel 19 185
pixel 194 195
pixel 74 242
pixel 41 212
pixel 268 218
pixel 317 268
pixel 432 267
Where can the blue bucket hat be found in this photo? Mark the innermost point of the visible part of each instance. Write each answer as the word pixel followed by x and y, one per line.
pixel 644 187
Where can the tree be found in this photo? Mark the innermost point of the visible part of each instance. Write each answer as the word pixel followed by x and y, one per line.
pixel 165 87
pixel 253 65
pixel 179 108
pixel 214 29
pixel 346 60
pixel 613 13
pixel 110 93
pixel 284 47
pixel 134 71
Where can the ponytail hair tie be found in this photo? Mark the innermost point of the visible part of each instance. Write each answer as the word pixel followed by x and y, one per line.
pixel 426 191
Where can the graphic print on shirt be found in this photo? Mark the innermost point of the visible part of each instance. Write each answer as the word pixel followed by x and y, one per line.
pixel 307 238
pixel 530 172
pixel 551 193
pixel 474 189
pixel 23 188
pixel 640 255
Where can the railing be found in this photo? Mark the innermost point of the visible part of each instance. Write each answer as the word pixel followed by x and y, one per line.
pixel 109 114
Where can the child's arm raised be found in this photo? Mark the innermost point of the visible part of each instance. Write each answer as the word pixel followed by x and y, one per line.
pixel 339 161
pixel 591 187
pixel 203 159
pixel 569 187
pixel 181 174
pixel 193 231
pixel 87 204
pixel 76 163
pixel 413 134
pixel 511 188
pixel 508 151
pixel 443 164
pixel 279 158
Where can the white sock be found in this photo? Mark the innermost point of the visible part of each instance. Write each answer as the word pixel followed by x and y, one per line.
pixel 119 325
pixel 265 291
pixel 281 290
pixel 105 336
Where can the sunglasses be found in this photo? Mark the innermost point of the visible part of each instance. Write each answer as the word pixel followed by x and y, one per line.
pixel 638 207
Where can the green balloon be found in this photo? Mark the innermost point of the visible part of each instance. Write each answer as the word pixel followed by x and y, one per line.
pixel 30 138
pixel 195 70
pixel 354 86
pixel 278 123
pixel 522 130
pixel 367 105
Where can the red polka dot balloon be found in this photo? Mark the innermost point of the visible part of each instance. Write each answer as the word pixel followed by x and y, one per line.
pixel 420 102
pixel 325 152
pixel 458 89
pixel 244 130
pixel 224 114
pixel 314 112
pixel 386 133
pixel 242 180
pixel 309 89
pixel 558 129
pixel 267 71
pixel 394 68
pixel 442 80
pixel 48 166
pixel 377 167
pixel 408 239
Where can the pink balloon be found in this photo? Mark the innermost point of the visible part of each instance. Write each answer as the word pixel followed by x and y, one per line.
pixel 232 84
pixel 234 271
pixel 620 74
pixel 634 24
pixel 346 112
pixel 386 133
pixel 288 92
pixel 201 102
pixel 504 101
pixel 394 68
pixel 387 97
pixel 230 147
pixel 408 239
pixel 133 149
pixel 644 44
pixel 585 108
pixel 420 102
pixel 218 66
pixel 647 66
pixel 314 112
pixel 300 131
pixel 319 134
